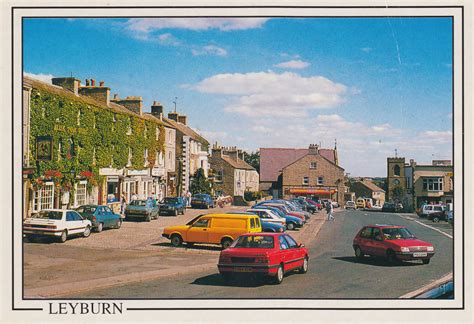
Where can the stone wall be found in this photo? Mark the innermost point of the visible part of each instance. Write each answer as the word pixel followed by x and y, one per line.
pixel 218 164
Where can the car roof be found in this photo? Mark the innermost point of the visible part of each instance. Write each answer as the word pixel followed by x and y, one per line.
pixel 386 225
pixel 57 210
pixel 263 234
pixel 224 215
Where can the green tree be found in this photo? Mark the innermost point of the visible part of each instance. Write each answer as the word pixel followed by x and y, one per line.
pixel 199 183
pixel 398 192
pixel 253 159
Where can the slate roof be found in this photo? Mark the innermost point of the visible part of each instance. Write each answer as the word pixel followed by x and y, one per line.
pixel 372 186
pixel 237 164
pixel 186 130
pixel 273 160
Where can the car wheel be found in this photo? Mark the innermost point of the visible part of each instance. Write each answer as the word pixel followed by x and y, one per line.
pixel 226 243
pixel 436 219
pixel 87 231
pixel 119 224
pixel 176 240
pixel 175 212
pixel 304 267
pixel 148 218
pixel 279 275
pixel 63 237
pixel 426 261
pixel 391 258
pixel 358 253
pixel 290 226
pixel 99 228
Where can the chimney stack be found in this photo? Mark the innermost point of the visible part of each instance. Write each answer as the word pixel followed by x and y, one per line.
pixel 313 149
pixel 92 83
pixel 173 116
pixel 100 94
pixel 72 84
pixel 182 119
pixel 101 83
pixel 132 103
pixel 157 109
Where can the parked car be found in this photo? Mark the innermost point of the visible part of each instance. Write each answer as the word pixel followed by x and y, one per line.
pixel 292 222
pixel 59 223
pixel 172 206
pixel 202 201
pixel 428 209
pixel 315 203
pixel 395 243
pixel 213 229
pixel 350 205
pixel 335 204
pixel 390 207
pixel 100 216
pixel 283 208
pixel 437 216
pixel 267 254
pixel 306 206
pixel 267 215
pixel 144 209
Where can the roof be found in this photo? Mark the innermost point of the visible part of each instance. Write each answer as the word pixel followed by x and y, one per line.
pixel 186 130
pixel 237 164
pixel 113 107
pixel 372 186
pixel 237 215
pixel 273 160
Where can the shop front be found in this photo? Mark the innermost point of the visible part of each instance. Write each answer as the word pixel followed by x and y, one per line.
pixel 111 189
pixel 159 180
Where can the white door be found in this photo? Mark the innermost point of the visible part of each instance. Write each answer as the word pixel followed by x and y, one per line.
pixel 74 223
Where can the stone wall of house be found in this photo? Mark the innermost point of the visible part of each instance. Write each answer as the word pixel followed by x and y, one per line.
pixel 226 186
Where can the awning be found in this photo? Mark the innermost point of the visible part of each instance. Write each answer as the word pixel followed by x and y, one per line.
pixel 303 191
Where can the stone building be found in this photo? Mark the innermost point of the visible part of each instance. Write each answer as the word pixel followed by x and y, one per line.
pixel 273 161
pixel 73 155
pixel 313 175
pixel 367 189
pixel 421 183
pixel 232 175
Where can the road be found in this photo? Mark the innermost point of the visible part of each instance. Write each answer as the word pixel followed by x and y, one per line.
pixel 334 272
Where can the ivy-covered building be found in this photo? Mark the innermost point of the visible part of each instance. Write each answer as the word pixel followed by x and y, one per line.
pixel 81 146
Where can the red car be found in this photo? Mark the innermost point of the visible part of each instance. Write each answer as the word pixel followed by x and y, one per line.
pixel 314 203
pixel 267 254
pixel 396 243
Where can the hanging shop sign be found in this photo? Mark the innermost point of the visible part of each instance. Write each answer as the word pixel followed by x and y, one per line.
pixel 44 148
pixel 158 172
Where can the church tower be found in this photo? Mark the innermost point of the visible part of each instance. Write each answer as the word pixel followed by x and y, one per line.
pixel 395 174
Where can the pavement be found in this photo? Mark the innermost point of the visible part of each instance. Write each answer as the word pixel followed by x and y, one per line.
pixel 334 271
pixel 134 253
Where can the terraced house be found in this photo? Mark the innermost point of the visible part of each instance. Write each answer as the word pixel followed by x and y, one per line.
pixel 81 146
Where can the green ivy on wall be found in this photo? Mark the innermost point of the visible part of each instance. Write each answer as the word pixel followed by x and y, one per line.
pixel 88 137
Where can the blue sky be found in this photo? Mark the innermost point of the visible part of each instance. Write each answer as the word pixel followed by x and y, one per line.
pixel 374 84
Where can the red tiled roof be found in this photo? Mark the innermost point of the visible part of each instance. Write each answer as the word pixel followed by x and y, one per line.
pixel 237 164
pixel 372 186
pixel 273 160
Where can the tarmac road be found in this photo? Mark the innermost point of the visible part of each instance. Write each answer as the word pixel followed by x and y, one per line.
pixel 334 272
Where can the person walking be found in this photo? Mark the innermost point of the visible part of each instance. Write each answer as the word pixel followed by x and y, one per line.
pixel 329 211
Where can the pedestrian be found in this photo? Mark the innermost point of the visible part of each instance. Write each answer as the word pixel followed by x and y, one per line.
pixel 134 196
pixel 329 211
pixel 188 198
pixel 123 203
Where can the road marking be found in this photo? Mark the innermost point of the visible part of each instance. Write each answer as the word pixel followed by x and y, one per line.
pixel 433 228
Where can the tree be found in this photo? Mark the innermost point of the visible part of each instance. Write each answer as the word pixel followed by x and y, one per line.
pixel 253 159
pixel 199 183
pixel 398 192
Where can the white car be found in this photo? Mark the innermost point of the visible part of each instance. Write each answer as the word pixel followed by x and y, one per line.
pixel 428 209
pixel 267 215
pixel 58 223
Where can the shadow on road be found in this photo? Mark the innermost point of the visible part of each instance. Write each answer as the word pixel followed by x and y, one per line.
pixel 190 247
pixel 216 279
pixel 378 262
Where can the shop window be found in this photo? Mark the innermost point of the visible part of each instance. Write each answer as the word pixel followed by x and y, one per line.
pixel 81 193
pixel 433 184
pixel 44 198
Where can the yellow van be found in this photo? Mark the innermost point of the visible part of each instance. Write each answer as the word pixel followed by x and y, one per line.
pixel 214 229
pixel 360 203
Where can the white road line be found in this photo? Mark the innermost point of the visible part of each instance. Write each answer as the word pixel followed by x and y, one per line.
pixel 433 228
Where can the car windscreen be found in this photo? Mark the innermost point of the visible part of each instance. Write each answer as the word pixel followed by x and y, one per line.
pixel 170 200
pixel 254 242
pixel 396 233
pixel 49 215
pixel 138 203
pixel 86 209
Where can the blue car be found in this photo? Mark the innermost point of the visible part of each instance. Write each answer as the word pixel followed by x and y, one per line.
pixel 202 201
pixel 292 222
pixel 173 206
pixel 100 216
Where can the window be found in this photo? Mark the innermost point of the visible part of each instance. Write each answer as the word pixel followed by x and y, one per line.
pixel 366 232
pixel 396 170
pixel 169 137
pixel 219 176
pixel 283 243
pixel 292 243
pixel 312 165
pixel 201 223
pixel 70 217
pixel 320 180
pixel 252 223
pixel 157 131
pixel 81 193
pixel 433 184
pixel 305 180
pixel 43 198
pixel 257 222
pixel 129 162
pixel 376 233
pixel 79 117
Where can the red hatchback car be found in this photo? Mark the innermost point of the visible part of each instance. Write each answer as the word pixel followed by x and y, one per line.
pixel 396 243
pixel 268 254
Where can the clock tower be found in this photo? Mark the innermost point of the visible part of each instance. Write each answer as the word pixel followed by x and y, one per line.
pixel 395 175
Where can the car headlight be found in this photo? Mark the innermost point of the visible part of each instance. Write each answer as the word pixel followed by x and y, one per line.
pixel 430 248
pixel 405 249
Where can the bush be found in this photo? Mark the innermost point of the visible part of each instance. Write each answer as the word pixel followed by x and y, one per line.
pixel 253 195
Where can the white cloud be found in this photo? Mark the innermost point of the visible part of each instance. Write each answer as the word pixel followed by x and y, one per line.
pixel 293 64
pixel 209 50
pixel 366 49
pixel 284 94
pixel 146 25
pixel 168 39
pixel 436 137
pixel 42 77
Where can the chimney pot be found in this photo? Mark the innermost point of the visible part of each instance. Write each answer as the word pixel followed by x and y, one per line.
pixel 93 82
pixel 88 83
pixel 101 83
pixel 116 96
